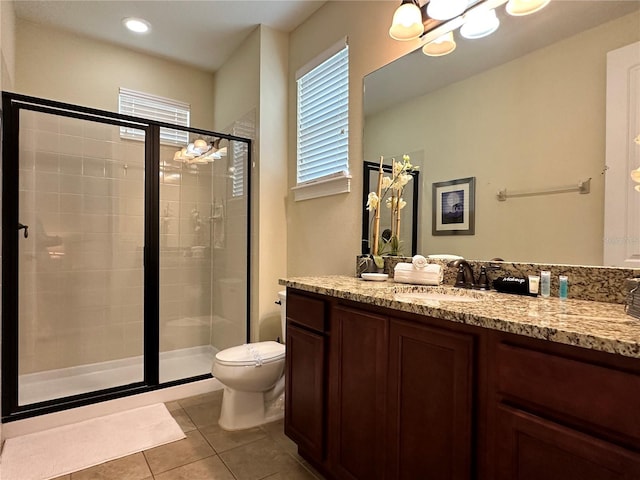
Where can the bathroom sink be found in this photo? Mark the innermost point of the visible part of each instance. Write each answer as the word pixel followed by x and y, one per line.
pixel 464 297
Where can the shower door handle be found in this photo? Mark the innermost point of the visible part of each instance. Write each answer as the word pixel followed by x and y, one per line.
pixel 26 229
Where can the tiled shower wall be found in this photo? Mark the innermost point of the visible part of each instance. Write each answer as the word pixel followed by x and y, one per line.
pixel 81 193
pixel 81 276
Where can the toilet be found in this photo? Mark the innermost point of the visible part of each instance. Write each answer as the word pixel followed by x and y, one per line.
pixel 253 379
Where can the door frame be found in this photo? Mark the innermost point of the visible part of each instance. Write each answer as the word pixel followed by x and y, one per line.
pixel 621 236
pixel 11 105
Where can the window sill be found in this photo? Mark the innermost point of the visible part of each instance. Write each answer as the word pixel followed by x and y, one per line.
pixel 322 188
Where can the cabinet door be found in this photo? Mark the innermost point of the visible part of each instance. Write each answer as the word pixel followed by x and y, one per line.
pixel 358 362
pixel 531 448
pixel 430 403
pixel 304 396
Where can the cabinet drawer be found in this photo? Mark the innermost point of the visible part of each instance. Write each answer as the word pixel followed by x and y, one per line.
pixel 306 311
pixel 532 448
pixel 594 394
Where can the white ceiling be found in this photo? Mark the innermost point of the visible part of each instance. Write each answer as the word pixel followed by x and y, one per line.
pixel 199 33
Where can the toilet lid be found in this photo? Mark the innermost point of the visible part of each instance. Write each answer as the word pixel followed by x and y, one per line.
pixel 251 354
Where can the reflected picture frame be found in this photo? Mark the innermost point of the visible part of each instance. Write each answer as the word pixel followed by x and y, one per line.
pixel 454 207
pixel 411 195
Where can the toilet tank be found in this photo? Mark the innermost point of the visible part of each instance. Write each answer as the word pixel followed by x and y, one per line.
pixel 282 297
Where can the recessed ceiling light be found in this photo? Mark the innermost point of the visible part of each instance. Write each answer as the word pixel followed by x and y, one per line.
pixel 137 25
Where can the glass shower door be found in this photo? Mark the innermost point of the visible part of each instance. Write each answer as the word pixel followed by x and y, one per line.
pixel 80 265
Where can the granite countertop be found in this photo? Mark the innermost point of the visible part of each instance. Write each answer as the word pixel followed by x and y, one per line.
pixel 588 324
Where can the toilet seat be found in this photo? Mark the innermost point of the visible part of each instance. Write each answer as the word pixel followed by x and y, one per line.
pixel 251 354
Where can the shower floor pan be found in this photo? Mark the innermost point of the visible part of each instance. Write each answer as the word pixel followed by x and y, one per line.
pixel 52 384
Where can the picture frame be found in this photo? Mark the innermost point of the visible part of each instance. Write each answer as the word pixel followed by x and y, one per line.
pixel 453 207
pixel 409 233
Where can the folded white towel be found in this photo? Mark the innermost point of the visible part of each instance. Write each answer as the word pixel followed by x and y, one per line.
pixel 430 274
pixel 419 261
pixel 409 267
pixel 407 277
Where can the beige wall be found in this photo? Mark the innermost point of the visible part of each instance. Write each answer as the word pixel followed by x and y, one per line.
pixel 7 70
pixel 60 66
pixel 237 83
pixel 7 45
pixel 236 97
pixel 271 179
pixel 323 234
pixel 253 82
pixel 533 123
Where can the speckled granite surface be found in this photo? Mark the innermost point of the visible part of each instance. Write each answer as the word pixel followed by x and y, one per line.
pixel 589 324
pixel 600 284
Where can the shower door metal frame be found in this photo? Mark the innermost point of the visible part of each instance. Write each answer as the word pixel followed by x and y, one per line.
pixel 11 105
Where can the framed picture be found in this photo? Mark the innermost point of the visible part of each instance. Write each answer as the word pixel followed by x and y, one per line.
pixel 409 228
pixel 454 207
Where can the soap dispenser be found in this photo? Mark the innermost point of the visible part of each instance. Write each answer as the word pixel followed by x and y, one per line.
pixel 483 281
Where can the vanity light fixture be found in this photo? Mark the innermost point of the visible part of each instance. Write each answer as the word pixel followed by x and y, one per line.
pixel 407 22
pixel 519 8
pixel 480 23
pixel 421 19
pixel 442 45
pixel 136 25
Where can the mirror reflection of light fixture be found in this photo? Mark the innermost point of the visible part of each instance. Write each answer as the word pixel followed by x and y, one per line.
pixel 407 22
pixel 446 9
pixel 476 20
pixel 200 152
pixel 480 23
pixel 520 8
pixel 442 45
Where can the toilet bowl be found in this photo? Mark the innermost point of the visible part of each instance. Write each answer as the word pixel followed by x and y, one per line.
pixel 253 379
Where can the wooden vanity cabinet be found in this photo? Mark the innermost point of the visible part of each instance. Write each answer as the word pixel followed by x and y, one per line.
pixel 563 413
pixel 357 394
pixel 377 394
pixel 399 395
pixel 306 374
pixel 430 402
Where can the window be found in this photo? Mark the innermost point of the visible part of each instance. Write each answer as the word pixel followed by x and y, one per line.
pixel 245 127
pixel 152 107
pixel 323 123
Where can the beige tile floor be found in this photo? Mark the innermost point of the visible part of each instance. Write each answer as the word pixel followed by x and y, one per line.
pixel 208 452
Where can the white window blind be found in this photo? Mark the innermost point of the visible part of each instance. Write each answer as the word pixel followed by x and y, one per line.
pixel 245 127
pixel 323 117
pixel 153 107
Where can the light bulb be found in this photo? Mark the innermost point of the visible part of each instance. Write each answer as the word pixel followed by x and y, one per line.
pixel 200 144
pixel 480 23
pixel 445 9
pixel 407 23
pixel 442 45
pixel 519 8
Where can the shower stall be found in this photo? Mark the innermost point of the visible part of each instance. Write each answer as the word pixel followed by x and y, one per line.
pixel 125 253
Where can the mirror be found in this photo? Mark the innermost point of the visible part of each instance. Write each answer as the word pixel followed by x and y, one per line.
pixel 522 110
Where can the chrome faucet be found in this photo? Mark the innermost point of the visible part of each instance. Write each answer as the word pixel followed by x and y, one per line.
pixel 465 278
